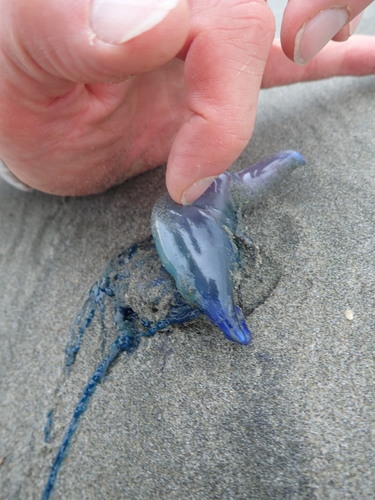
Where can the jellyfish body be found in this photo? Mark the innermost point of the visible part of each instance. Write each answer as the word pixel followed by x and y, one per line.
pixel 197 243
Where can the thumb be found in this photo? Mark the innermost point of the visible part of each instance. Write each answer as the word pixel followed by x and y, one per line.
pixel 59 44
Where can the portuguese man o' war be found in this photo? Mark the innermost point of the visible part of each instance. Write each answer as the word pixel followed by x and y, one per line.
pixel 200 247
pixel 197 243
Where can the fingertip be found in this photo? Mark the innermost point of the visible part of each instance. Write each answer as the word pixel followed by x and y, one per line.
pixel 195 190
pixel 307 27
pixel 317 32
pixel 201 152
pixel 116 22
pixel 142 37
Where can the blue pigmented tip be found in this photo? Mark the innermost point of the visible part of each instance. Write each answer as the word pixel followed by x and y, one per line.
pixel 197 243
pixel 234 326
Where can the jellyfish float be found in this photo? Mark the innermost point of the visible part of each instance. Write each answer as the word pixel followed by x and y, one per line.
pixel 198 243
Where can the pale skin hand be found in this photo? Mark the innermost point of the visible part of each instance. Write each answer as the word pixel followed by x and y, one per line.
pixel 72 123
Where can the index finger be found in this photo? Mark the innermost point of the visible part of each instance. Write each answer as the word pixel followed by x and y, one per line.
pixel 228 48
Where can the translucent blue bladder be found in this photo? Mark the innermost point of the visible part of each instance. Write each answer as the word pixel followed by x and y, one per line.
pixel 197 244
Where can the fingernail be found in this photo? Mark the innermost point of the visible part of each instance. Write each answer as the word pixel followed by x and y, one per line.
pixel 353 25
pixel 196 190
pixel 317 32
pixel 11 179
pixel 117 21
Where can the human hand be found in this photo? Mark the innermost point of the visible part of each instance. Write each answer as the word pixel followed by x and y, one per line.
pixel 73 123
